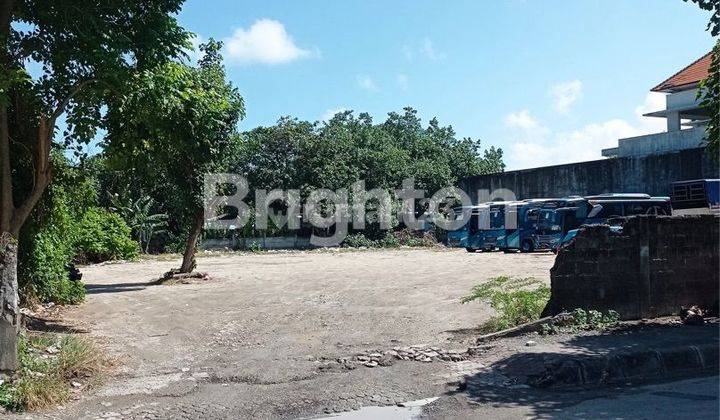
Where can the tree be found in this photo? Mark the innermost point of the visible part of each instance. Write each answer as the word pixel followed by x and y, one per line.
pixel 176 124
pixel 86 51
pixel 710 87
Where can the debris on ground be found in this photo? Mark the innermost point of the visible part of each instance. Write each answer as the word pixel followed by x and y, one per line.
pixel 692 316
pixel 174 276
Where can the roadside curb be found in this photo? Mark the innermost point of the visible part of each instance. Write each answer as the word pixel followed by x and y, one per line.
pixel 629 366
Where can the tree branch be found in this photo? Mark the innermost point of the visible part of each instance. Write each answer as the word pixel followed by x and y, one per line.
pixel 60 108
pixel 6 202
pixel 43 175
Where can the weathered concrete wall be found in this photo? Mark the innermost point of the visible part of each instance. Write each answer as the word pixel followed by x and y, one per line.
pixel 278 242
pixel 647 174
pixel 655 266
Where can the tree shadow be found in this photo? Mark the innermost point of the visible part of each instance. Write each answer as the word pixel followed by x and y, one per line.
pixel 40 324
pixel 95 289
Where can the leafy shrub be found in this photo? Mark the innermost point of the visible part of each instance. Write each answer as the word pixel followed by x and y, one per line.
pixel 103 236
pixel 582 320
pixel 389 241
pixel 46 248
pixel 358 240
pixel 516 300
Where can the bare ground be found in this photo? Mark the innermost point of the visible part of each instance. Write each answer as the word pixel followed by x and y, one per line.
pixel 253 341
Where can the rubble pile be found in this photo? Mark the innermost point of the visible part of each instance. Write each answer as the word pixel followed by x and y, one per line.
pixel 419 353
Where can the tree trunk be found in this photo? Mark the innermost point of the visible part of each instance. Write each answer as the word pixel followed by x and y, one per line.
pixel 188 263
pixel 9 313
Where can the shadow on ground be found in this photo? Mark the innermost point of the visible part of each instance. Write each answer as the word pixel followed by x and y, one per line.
pixel 527 365
pixel 94 289
pixel 40 324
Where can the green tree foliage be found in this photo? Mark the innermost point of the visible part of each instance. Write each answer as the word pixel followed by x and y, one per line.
pixel 87 50
pixel 710 92
pixel 174 125
pixel 348 148
pixel 61 230
pixel 710 87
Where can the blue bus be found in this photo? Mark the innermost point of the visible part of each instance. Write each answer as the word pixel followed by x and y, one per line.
pixel 467 235
pixel 484 228
pixel 613 209
pixel 532 231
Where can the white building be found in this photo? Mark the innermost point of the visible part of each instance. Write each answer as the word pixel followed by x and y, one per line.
pixel 686 119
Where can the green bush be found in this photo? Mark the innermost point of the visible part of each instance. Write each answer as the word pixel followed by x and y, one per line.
pixel 358 240
pixel 389 241
pixel 46 248
pixel 516 301
pixel 104 236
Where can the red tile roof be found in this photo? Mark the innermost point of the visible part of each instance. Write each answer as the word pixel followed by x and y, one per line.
pixel 687 77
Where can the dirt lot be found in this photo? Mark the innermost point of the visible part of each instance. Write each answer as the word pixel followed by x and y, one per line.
pixel 254 340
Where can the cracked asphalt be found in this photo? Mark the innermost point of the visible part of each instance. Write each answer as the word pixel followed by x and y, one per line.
pixel 259 338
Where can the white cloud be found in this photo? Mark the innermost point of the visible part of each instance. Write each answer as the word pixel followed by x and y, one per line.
pixel 366 82
pixel 428 48
pixel 402 81
pixel 536 145
pixel 266 42
pixel 408 52
pixel 327 115
pixel 566 94
pixel 521 119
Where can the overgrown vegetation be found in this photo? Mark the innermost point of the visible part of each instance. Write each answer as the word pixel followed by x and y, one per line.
pixel 391 239
pixel 51 365
pixel 582 320
pixel 67 227
pixel 516 301
pixel 104 236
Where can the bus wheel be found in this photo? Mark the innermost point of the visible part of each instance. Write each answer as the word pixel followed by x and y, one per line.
pixel 527 246
pixel 470 249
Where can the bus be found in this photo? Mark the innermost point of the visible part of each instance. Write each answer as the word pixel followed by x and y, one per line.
pixel 485 225
pixel 531 232
pixel 613 210
pixel 466 236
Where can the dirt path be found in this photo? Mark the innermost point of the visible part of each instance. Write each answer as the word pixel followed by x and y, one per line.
pixel 252 341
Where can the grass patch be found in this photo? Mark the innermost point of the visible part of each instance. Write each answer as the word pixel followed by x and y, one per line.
pixel 49 366
pixel 516 301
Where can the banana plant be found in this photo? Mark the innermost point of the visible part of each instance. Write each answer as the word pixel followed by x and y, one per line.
pixel 138 215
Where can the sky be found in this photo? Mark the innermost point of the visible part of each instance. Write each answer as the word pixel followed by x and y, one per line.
pixel 549 82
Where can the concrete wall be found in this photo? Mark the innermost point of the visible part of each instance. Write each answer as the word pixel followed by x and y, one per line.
pixel 279 242
pixel 647 174
pixel 659 143
pixel 655 266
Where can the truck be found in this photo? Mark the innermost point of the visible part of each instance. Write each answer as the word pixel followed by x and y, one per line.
pixel 698 196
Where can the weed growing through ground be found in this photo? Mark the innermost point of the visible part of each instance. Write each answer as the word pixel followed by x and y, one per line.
pixel 49 365
pixel 516 301
pixel 582 320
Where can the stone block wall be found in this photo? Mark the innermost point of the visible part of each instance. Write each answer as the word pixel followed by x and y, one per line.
pixel 652 268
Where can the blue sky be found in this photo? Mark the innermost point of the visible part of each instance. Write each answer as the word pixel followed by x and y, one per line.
pixel 548 81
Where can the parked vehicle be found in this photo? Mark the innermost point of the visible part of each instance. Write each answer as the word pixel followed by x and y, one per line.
pixel 530 234
pixel 613 210
pixel 466 236
pixel 486 223
pixel 699 196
